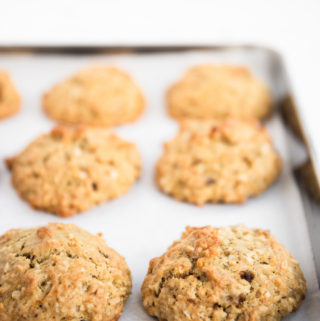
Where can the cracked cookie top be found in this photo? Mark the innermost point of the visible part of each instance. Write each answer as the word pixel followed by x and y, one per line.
pixel 218 161
pixel 217 91
pixel 103 96
pixel 9 97
pixel 232 273
pixel 71 169
pixel 60 272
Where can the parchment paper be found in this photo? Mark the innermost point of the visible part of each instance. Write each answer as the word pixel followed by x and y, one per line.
pixel 143 223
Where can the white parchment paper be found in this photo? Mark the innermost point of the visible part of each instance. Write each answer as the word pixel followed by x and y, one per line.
pixel 143 223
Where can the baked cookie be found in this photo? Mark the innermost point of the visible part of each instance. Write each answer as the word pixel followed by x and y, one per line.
pixel 232 273
pixel 103 96
pixel 60 272
pixel 9 97
pixel 217 91
pixel 218 161
pixel 72 169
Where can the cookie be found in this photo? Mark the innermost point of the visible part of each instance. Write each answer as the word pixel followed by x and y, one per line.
pixel 218 161
pixel 102 96
pixel 232 273
pixel 217 91
pixel 71 169
pixel 60 272
pixel 9 97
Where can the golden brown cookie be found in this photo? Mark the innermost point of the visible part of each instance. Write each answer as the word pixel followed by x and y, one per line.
pixel 9 97
pixel 233 273
pixel 71 169
pixel 218 161
pixel 217 91
pixel 103 96
pixel 60 272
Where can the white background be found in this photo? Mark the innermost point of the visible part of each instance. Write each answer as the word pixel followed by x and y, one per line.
pixel 289 26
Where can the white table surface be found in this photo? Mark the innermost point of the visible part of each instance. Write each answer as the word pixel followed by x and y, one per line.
pixel 290 27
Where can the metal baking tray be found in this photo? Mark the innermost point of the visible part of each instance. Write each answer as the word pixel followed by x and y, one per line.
pixel 143 223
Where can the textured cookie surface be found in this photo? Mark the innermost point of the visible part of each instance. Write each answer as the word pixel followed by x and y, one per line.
pixel 216 91
pixel 226 274
pixel 9 97
pixel 71 169
pixel 217 161
pixel 95 96
pixel 60 272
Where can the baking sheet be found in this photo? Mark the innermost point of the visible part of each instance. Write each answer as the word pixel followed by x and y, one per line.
pixel 143 223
